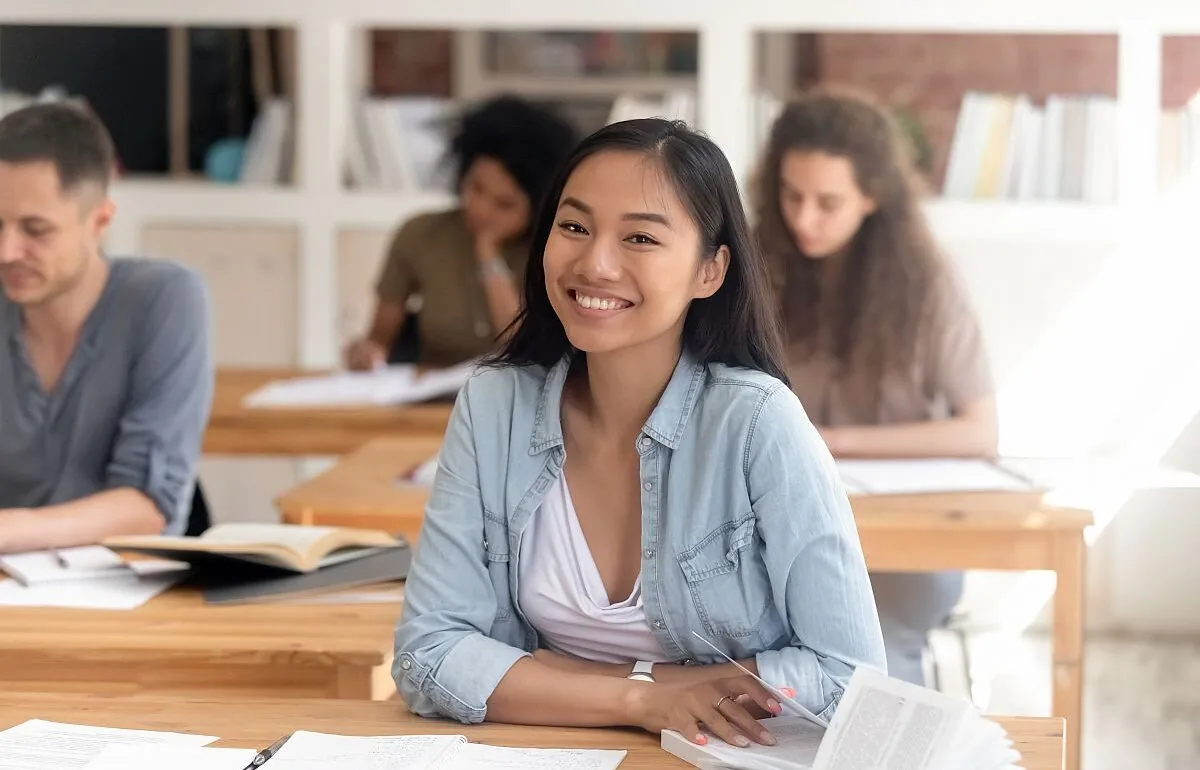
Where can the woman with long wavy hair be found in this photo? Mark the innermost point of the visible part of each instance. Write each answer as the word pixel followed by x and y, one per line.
pixel 884 349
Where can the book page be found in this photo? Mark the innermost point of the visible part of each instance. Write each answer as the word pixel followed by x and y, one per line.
pixel 297 538
pixel 478 756
pixel 924 476
pixel 888 724
pixel 40 745
pixel 319 751
pixel 796 743
pixel 171 758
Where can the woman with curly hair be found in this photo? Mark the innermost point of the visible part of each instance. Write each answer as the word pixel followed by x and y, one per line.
pixel 466 263
pixel 884 349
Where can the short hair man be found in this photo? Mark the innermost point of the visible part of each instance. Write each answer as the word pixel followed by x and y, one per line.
pixel 106 374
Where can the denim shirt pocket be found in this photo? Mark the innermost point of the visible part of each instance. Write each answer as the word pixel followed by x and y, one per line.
pixel 728 583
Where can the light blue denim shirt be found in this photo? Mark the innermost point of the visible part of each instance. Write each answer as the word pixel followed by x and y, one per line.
pixel 747 538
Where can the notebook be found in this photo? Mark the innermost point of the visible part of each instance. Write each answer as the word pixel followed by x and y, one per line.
pixel 881 722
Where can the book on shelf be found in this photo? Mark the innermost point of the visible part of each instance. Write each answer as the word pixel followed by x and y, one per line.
pixel 285 547
pixel 881 722
pixel 399 143
pixel 1007 147
pixel 268 154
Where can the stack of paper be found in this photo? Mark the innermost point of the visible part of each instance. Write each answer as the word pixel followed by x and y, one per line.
pixel 389 386
pixel 90 577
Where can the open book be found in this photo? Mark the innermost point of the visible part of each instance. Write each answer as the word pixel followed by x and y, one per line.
pixel 881 723
pixel 283 546
pixel 319 751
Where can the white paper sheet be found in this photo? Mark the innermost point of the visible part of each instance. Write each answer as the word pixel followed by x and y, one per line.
pixel 41 745
pixel 113 593
pixel 91 562
pixel 389 386
pixel 171 758
pixel 478 756
pixel 319 751
pixel 922 476
pixel 43 567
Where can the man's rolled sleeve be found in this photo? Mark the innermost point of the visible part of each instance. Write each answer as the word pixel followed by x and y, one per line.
pixel 166 410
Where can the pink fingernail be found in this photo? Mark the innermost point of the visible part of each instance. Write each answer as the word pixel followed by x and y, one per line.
pixel 788 692
pixel 773 705
pixel 700 739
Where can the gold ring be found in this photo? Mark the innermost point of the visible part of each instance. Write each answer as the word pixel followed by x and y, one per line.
pixel 723 699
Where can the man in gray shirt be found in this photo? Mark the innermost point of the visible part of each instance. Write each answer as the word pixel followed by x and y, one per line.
pixel 106 376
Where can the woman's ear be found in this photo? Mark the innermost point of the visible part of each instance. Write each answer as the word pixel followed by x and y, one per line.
pixel 712 273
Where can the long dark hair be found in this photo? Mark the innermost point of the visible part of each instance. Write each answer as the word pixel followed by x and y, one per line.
pixel 737 325
pixel 892 270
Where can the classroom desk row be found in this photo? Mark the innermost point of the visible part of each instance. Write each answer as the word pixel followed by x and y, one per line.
pixel 254 724
pixel 992 531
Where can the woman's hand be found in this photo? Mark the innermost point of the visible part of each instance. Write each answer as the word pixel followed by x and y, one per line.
pixel 364 355
pixel 723 706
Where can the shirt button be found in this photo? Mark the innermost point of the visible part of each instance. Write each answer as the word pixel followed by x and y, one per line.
pixel 648 486
pixel 659 624
pixel 649 553
pixel 406 664
pixel 644 442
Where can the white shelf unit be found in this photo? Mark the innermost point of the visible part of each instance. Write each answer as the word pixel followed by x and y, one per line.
pixel 330 70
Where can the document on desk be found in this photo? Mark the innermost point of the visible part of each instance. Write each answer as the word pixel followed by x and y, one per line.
pixel 389 386
pixel 171 758
pixel 928 476
pixel 318 751
pixel 126 592
pixel 78 564
pixel 42 745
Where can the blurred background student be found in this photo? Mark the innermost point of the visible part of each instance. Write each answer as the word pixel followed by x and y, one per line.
pixel 885 351
pixel 466 263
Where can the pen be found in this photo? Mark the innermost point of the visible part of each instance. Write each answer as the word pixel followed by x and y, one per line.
pixel 261 757
pixel 59 559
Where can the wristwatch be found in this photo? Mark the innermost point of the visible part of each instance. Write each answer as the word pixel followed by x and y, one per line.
pixel 642 671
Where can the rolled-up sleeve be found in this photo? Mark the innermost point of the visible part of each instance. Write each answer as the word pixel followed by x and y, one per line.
pixel 814 558
pixel 162 425
pixel 445 663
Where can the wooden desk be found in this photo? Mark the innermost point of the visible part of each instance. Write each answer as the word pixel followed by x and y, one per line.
pixel 256 724
pixel 176 644
pixel 993 531
pixel 236 430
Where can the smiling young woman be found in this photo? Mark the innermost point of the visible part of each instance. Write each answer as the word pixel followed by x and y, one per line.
pixel 630 478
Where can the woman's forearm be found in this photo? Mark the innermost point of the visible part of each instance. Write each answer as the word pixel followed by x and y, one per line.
pixel 533 693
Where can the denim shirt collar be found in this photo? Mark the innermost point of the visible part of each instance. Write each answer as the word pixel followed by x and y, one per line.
pixel 665 425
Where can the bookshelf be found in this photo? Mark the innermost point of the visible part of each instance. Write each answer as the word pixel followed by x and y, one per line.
pixel 330 40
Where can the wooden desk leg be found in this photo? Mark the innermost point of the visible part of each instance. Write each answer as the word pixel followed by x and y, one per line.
pixel 1070 555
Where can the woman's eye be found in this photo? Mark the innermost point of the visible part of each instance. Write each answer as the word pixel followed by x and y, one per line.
pixel 571 227
pixel 641 239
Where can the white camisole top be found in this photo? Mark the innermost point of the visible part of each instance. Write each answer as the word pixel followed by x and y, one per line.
pixel 562 595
